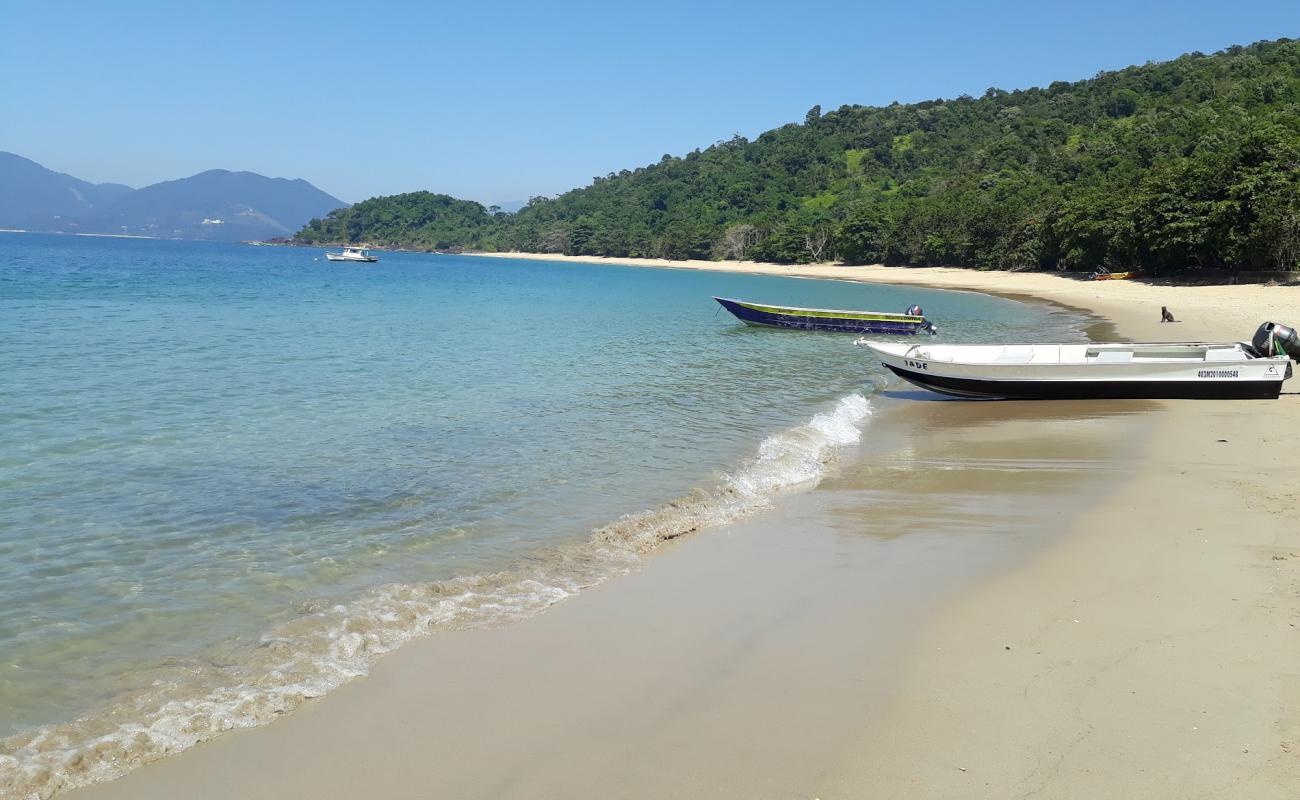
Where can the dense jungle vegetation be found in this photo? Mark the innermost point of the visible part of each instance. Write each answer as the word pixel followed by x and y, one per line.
pixel 1185 164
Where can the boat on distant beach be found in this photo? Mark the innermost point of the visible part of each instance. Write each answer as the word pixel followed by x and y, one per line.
pixel 827 319
pixel 1162 370
pixel 352 254
pixel 1107 275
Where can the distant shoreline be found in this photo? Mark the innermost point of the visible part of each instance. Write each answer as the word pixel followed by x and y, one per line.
pixel 1217 311
pixel 1203 277
pixel 377 247
pixel 95 235
pixel 118 235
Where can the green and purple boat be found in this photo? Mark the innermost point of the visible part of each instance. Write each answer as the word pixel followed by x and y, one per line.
pixel 827 319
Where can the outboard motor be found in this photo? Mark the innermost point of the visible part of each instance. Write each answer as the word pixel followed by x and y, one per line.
pixel 1273 339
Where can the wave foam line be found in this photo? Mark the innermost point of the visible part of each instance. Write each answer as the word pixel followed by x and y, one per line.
pixel 330 644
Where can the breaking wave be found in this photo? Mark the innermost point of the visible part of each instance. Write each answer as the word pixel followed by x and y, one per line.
pixel 241 686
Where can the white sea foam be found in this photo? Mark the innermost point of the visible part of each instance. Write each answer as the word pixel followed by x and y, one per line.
pixel 800 455
pixel 329 645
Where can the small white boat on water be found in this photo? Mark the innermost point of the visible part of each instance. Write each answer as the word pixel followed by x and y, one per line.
pixel 1160 370
pixel 352 254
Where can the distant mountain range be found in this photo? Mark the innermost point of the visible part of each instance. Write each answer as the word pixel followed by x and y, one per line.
pixel 217 204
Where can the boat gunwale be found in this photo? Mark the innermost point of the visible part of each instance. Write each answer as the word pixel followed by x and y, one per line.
pixel 891 349
pixel 1106 345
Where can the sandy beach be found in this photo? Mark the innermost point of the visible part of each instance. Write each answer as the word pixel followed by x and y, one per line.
pixel 1052 600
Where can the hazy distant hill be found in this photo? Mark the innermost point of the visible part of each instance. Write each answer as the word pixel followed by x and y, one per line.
pixel 216 204
pixel 33 197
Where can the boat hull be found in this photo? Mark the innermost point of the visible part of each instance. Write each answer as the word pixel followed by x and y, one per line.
pixel 992 389
pixel 338 257
pixel 1109 372
pixel 813 319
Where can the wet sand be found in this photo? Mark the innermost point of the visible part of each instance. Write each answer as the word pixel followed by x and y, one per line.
pixel 1152 653
pixel 987 600
pixel 741 663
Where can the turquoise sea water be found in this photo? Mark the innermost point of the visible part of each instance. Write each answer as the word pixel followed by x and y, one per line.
pixel 231 475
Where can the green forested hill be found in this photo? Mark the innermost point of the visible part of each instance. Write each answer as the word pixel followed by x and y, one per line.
pixel 1184 164
pixel 418 220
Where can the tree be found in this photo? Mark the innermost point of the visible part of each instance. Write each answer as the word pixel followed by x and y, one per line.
pixel 556 240
pixel 817 241
pixel 738 240
pixel 580 236
pixel 1122 103
pixel 864 234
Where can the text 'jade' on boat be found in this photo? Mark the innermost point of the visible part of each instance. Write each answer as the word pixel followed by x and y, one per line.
pixel 829 319
pixel 1161 370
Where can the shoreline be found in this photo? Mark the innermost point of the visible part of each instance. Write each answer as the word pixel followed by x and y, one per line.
pixel 735 663
pixel 1132 307
pixel 955 720
pixel 1190 583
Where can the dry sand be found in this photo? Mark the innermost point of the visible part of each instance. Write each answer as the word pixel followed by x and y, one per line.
pixel 919 626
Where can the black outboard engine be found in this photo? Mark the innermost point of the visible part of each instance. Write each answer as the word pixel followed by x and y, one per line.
pixel 1273 339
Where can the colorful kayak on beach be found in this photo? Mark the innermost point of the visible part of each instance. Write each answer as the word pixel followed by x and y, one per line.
pixel 826 319
pixel 1118 276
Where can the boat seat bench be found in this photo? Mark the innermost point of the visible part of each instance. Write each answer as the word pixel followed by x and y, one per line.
pixel 1015 354
pixel 1113 357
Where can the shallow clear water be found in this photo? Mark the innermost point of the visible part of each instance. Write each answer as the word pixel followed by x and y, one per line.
pixel 231 471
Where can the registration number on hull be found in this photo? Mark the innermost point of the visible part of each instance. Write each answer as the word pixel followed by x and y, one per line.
pixel 1217 373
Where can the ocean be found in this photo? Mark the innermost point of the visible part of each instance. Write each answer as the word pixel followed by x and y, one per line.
pixel 231 476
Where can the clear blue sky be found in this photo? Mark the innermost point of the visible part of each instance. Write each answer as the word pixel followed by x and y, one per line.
pixel 499 101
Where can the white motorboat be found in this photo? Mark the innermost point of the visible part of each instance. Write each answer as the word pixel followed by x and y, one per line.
pixel 1161 370
pixel 352 254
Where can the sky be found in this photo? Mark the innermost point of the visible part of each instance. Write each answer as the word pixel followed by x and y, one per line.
pixel 502 101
